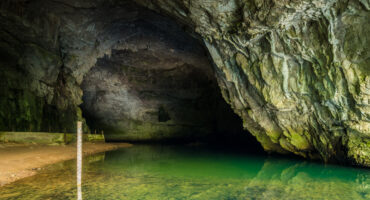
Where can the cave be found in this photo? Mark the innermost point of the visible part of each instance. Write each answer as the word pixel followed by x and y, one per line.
pixel 157 84
pixel 147 80
pixel 184 99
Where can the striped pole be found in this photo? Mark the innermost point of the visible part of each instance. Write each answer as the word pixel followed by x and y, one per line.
pixel 79 160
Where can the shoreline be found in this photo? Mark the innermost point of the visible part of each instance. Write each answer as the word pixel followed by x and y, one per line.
pixel 18 161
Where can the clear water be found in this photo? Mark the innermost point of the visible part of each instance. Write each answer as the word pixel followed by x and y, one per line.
pixel 174 173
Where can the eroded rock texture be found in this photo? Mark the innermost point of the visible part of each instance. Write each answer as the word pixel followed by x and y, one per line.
pixel 296 72
pixel 156 85
pixel 152 81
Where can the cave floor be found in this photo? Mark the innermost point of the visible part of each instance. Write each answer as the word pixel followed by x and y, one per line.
pixel 18 161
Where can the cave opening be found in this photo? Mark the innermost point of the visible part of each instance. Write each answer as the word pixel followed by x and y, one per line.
pixel 157 84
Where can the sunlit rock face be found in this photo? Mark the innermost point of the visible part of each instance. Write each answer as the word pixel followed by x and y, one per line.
pixel 296 72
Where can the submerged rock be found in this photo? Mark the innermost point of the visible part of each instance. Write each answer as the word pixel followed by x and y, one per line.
pixel 296 72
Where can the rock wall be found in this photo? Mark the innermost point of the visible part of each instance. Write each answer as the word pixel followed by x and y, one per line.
pixel 46 48
pixel 33 86
pixel 296 72
pixel 156 85
pixel 152 82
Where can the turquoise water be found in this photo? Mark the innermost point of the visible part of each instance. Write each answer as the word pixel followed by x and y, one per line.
pixel 184 172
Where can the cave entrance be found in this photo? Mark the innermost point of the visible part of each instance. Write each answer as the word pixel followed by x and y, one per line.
pixel 158 85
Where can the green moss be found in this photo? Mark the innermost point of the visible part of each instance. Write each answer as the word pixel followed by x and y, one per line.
pixel 286 145
pixel 36 137
pixel 274 136
pixel 266 142
pixel 23 110
pixel 358 147
pixel 298 139
pixel 27 112
pixel 46 138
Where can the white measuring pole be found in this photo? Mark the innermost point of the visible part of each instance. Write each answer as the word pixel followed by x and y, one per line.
pixel 79 160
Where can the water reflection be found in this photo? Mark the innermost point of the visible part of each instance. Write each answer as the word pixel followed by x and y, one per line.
pixel 287 179
pixel 165 172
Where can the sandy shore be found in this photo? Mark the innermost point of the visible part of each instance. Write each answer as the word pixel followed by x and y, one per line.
pixel 18 161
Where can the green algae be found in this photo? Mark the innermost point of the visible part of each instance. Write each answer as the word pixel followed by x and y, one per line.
pixel 299 140
pixel 37 137
pixel 358 148
pixel 274 136
pixel 46 138
pixel 266 142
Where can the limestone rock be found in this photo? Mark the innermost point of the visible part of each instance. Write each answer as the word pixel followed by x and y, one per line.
pixel 296 72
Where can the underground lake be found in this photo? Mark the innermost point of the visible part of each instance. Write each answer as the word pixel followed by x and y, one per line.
pixel 156 172
pixel 185 99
